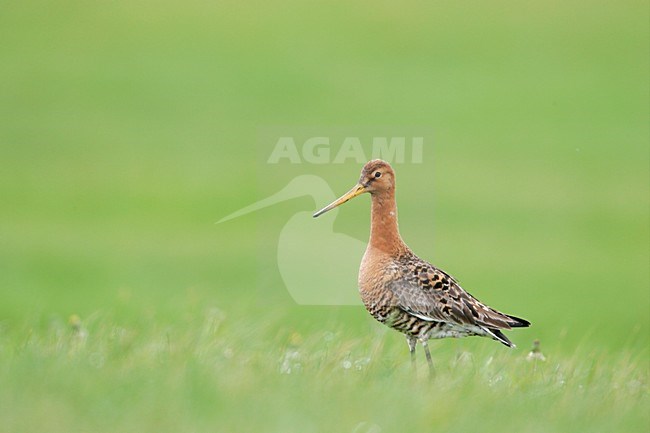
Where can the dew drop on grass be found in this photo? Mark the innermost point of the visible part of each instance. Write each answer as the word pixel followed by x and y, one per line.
pixel 361 363
pixel 290 362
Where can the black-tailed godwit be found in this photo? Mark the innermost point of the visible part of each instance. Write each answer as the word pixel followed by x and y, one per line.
pixel 401 290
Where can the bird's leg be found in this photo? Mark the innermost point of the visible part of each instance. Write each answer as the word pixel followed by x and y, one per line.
pixel 428 354
pixel 412 342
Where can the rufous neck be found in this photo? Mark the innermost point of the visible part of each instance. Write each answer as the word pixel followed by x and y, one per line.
pixel 384 230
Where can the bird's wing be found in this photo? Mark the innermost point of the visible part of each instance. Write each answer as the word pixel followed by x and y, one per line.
pixel 431 294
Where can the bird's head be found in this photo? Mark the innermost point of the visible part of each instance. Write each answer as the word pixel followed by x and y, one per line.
pixel 377 177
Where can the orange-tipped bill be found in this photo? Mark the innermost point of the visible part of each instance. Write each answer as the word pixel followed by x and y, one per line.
pixel 357 190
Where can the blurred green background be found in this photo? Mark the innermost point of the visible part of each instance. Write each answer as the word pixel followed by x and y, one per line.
pixel 128 128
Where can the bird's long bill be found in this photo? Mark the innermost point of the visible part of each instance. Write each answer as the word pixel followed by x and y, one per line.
pixel 357 190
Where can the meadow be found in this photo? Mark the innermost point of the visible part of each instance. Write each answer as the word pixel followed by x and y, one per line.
pixel 127 129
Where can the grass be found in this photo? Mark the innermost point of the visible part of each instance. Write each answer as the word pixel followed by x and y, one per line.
pixel 127 129
pixel 197 374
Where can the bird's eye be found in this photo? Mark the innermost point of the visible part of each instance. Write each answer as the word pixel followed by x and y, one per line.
pixel 377 174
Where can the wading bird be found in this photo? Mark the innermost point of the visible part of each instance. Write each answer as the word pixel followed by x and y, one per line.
pixel 408 294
